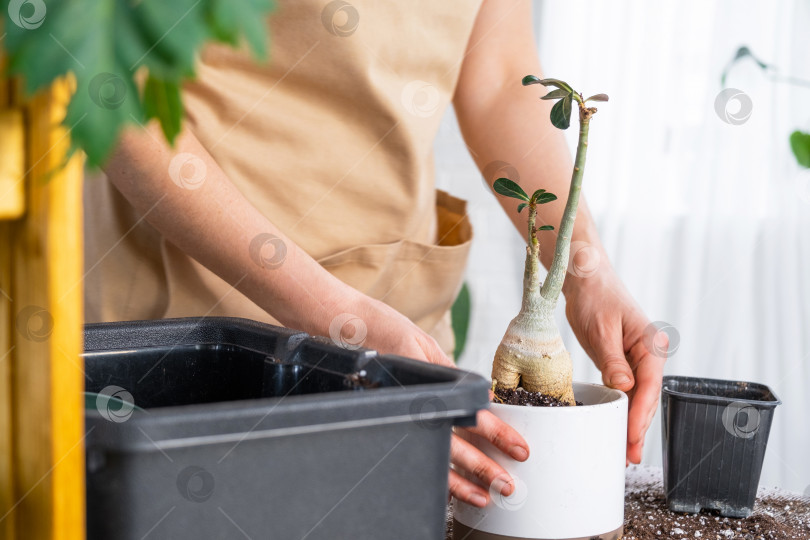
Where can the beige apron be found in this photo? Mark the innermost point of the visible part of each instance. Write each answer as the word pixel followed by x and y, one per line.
pixel 332 141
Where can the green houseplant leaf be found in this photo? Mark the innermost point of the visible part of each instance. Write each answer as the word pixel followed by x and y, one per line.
pixel 521 206
pixel 558 83
pixel 598 97
pixel 556 94
pixel 545 228
pixel 800 144
pixel 537 194
pixel 531 79
pixel 508 188
pixel 546 198
pixel 460 317
pixel 561 113
pixel 230 18
pixel 110 44
pixel 162 101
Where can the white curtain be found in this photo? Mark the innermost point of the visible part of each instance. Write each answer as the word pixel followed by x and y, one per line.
pixel 707 222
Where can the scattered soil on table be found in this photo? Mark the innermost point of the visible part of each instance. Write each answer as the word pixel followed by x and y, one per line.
pixel 646 517
pixel 777 516
pixel 527 399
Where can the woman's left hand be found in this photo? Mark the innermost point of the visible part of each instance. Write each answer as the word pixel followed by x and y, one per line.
pixel 628 350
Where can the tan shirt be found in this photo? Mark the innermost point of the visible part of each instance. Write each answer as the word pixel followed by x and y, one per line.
pixel 332 141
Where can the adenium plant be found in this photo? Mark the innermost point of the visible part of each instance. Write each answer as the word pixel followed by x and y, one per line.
pixel 531 353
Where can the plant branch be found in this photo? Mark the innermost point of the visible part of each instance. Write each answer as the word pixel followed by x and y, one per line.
pixel 559 265
pixel 531 274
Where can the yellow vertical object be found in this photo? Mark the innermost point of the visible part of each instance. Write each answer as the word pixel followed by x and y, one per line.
pixel 12 159
pixel 41 372
pixel 12 164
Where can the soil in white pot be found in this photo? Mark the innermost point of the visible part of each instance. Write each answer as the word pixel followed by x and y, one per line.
pixel 519 396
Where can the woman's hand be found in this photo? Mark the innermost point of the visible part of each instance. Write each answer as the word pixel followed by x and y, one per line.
pixel 389 332
pixel 623 344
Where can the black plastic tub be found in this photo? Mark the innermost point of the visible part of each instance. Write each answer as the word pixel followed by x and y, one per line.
pixel 228 428
pixel 714 438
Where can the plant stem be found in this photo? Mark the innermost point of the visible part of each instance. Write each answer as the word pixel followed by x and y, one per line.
pixel 531 273
pixel 559 265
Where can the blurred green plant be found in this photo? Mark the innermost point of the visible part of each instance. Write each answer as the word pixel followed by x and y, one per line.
pixel 799 140
pixel 800 144
pixel 111 45
pixel 460 317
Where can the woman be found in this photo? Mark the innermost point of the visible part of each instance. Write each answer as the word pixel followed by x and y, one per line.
pixel 301 192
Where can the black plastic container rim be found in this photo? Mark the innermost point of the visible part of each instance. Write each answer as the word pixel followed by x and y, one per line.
pixel 705 398
pixel 462 394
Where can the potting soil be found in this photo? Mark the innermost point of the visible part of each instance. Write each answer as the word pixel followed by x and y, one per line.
pixel 778 515
pixel 520 396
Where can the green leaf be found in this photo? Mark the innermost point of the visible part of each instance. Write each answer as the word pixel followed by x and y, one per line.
pixel 598 97
pixel 97 111
pixel 506 187
pixel 561 113
pixel 546 198
pixel 521 206
pixel 531 79
pixel 229 18
pixel 800 144
pixel 161 100
pixel 545 228
pixel 537 194
pixel 460 317
pixel 109 44
pixel 556 94
pixel 557 83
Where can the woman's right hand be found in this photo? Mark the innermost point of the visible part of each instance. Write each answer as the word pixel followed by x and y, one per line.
pixel 389 332
pixel 376 325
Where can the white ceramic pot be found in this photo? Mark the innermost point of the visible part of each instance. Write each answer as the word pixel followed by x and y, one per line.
pixel 572 485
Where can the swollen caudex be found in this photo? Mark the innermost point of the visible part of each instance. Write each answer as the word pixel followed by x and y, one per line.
pixel 534 359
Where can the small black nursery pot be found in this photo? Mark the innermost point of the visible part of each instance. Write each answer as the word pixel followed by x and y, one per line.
pixel 714 437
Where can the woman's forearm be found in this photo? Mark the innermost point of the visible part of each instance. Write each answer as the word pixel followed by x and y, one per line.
pixel 503 121
pixel 215 224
